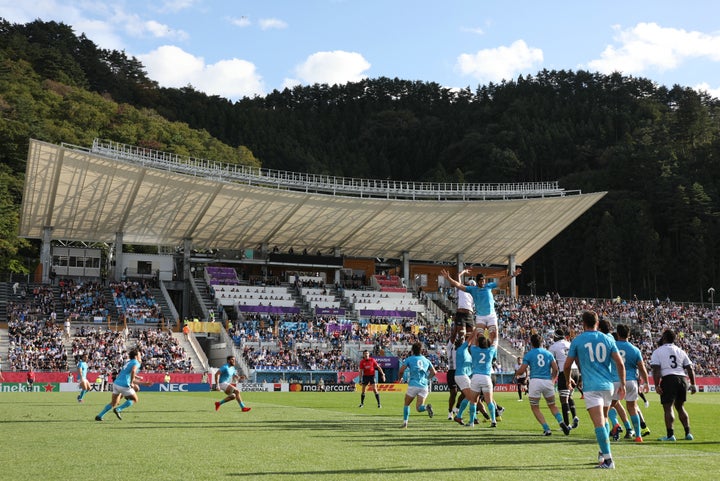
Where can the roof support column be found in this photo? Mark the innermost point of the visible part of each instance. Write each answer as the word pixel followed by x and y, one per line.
pixel 187 247
pixel 460 260
pixel 335 252
pixel 406 269
pixel 117 275
pixel 45 256
pixel 511 267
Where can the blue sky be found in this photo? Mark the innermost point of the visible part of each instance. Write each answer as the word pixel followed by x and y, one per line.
pixel 237 48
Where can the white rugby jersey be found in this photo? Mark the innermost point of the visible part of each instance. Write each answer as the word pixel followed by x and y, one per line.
pixel 560 349
pixel 451 355
pixel 671 359
pixel 465 300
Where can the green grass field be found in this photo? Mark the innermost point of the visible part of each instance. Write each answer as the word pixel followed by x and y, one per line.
pixel 325 436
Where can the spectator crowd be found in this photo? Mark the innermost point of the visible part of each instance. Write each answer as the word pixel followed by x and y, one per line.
pixel 696 326
pixel 296 342
pixel 36 339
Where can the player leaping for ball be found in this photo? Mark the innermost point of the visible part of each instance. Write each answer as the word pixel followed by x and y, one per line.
pixel 485 316
pixel 224 378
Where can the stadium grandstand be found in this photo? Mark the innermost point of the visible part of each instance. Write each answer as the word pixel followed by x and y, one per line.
pixel 293 273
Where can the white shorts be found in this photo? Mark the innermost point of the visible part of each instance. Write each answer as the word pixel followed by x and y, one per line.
pixel 541 388
pixel 486 321
pixel 481 383
pixel 416 391
pixel 224 385
pixel 631 391
pixel 126 392
pixel 597 398
pixel 463 382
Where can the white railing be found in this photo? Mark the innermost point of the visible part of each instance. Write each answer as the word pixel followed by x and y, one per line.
pixel 324 184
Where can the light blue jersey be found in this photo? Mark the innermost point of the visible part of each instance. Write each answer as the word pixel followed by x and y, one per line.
pixel 124 377
pixel 631 356
pixel 593 350
pixel 463 361
pixel 83 368
pixel 539 360
pixel 482 359
pixel 227 373
pixel 483 297
pixel 418 367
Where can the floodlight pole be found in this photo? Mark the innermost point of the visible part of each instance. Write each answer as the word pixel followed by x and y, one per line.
pixel 118 247
pixel 511 266
pixel 711 291
pixel 187 246
pixel 45 255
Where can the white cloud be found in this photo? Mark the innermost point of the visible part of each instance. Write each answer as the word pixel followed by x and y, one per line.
pixel 103 34
pixel 715 92
pixel 272 23
pixel 475 30
pixel 176 5
pixel 135 26
pixel 171 66
pixel 648 46
pixel 496 64
pixel 336 67
pixel 240 22
pixel 289 83
pixel 159 30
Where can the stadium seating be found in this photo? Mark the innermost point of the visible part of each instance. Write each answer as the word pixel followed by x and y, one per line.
pixel 134 301
pixel 380 300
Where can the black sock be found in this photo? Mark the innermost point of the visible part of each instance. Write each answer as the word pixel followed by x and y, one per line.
pixel 565 412
pixel 362 399
pixel 377 396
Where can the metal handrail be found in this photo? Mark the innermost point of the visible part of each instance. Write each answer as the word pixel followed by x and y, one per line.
pixel 323 184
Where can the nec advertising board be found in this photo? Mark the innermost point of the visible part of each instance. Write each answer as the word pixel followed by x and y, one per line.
pixel 179 387
pixel 157 387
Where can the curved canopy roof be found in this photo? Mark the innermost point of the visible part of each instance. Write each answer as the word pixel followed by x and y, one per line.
pixel 89 195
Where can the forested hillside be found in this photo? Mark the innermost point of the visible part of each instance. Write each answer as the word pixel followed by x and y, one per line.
pixel 656 150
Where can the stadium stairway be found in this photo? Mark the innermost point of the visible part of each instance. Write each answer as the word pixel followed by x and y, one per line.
pixel 57 305
pixel 4 347
pixel 197 364
pixel 203 294
pixel 163 302
pixel 71 364
pixel 110 304
pixel 4 299
pixel 507 355
pixel 305 309
pixel 350 313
